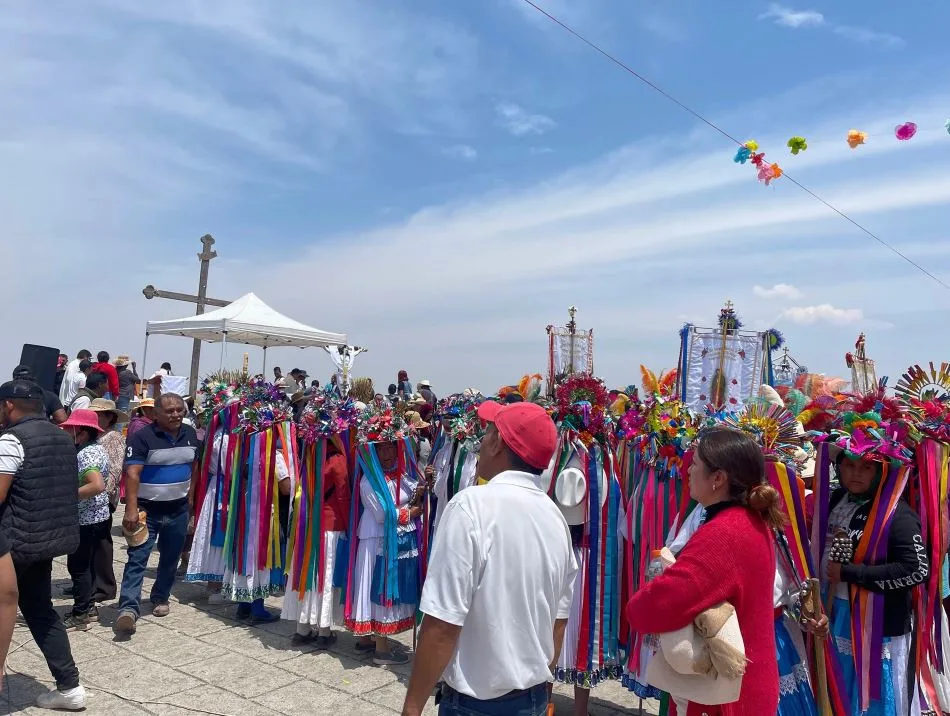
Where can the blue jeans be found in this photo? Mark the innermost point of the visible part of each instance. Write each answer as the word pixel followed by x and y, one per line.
pixel 123 403
pixel 169 529
pixel 532 702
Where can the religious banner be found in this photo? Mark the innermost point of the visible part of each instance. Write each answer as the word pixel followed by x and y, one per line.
pixel 722 367
pixel 570 351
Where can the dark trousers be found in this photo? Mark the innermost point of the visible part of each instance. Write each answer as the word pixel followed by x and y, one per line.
pixel 530 702
pixel 104 587
pixel 36 604
pixel 83 562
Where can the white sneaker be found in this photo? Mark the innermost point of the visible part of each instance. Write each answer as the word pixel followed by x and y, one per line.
pixel 218 598
pixel 71 700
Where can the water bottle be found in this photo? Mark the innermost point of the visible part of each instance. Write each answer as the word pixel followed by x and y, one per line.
pixel 656 566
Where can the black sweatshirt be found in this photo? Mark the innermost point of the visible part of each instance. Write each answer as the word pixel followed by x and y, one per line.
pixel 906 564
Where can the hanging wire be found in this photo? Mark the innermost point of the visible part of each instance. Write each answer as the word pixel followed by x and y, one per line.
pixel 728 136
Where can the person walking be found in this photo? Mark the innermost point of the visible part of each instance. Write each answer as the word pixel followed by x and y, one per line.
pixel 39 517
pixel 500 582
pixel 159 464
pixel 113 442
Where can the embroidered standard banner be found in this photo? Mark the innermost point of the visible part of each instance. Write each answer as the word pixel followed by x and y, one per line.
pixel 721 370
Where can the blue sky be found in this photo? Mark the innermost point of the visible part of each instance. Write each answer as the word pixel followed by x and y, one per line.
pixel 442 180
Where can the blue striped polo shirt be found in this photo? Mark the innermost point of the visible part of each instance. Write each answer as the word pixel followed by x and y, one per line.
pixel 166 461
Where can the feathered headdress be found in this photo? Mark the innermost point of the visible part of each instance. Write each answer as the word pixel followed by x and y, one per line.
pixel 664 386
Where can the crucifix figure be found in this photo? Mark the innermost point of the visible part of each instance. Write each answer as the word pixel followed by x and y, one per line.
pixel 201 299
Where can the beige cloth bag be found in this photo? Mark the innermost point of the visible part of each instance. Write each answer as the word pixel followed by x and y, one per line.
pixel 703 662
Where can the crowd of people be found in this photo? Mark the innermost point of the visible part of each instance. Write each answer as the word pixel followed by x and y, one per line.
pixel 787 556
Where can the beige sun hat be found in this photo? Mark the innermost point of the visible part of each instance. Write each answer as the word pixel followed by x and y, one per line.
pixel 104 405
pixel 139 535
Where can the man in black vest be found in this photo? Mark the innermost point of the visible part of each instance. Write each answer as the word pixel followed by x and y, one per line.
pixel 39 517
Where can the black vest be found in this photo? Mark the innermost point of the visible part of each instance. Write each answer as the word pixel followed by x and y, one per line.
pixel 40 517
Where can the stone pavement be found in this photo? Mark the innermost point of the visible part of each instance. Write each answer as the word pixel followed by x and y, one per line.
pixel 200 660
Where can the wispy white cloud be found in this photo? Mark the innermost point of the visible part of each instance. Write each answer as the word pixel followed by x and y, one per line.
pixel 779 290
pixel 807 315
pixel 792 18
pixel 868 37
pixel 636 237
pixel 519 121
pixel 461 151
pixel 537 151
pixel 787 17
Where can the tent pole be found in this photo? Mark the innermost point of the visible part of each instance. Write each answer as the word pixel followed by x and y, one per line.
pixel 144 356
pixel 224 344
pixel 264 366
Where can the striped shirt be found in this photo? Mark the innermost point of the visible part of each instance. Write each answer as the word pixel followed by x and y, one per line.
pixel 166 462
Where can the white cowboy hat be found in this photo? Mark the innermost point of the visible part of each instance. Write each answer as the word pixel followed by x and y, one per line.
pixel 770 395
pixel 570 493
pixel 425 383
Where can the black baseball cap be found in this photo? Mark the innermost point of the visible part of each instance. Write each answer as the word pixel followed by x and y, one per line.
pixel 23 371
pixel 21 390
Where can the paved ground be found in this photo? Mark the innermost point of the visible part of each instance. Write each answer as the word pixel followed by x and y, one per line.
pixel 200 660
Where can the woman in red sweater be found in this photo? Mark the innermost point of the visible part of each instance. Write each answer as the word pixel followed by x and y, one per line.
pixel 731 558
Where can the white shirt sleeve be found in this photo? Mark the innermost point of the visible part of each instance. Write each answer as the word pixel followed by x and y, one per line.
pixel 567 592
pixel 450 582
pixel 371 501
pixel 82 402
pixel 11 454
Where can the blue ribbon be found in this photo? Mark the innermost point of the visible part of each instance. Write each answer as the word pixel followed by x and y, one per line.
pixel 369 463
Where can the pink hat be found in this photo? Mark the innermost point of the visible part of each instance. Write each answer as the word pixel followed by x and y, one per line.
pixel 82 418
pixel 526 428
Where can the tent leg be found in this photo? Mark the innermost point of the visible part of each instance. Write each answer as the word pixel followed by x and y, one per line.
pixel 264 366
pixel 224 344
pixel 144 356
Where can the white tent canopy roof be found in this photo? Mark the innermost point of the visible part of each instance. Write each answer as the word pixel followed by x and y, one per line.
pixel 250 321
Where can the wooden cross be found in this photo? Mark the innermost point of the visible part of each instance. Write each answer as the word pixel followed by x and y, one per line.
pixel 201 299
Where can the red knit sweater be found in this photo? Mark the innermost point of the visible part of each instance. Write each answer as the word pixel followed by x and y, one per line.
pixel 336 494
pixel 731 559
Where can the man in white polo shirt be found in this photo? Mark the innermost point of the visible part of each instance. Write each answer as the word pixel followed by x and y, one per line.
pixel 498 591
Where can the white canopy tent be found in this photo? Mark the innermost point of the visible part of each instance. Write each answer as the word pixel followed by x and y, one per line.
pixel 248 321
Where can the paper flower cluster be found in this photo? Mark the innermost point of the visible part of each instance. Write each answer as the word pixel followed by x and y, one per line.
pixel 326 415
pixel 382 426
pixel 263 405
pixel 797 144
pixel 773 427
pixel 581 406
pixel 661 432
pixel 856 137
pixel 905 131
pixel 459 416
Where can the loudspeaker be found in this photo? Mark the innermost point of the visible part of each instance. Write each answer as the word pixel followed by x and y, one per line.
pixel 42 362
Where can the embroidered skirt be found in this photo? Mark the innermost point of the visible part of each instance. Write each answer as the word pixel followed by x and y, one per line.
pixel 318 608
pixel 367 616
pixel 895 698
pixel 795 694
pixel 206 563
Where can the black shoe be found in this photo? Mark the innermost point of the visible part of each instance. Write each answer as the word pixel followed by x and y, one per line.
pixel 302 639
pixel 325 642
pixel 243 613
pixel 364 647
pixel 76 622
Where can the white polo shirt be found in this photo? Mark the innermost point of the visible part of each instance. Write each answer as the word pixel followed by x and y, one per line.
pixel 503 569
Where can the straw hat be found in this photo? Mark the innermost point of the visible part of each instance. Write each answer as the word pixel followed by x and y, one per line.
pixel 144 403
pixel 139 535
pixel 416 420
pixel 103 405
pixel 82 418
pixel 425 383
pixel 122 360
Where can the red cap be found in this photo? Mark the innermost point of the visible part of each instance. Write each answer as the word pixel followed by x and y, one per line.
pixel 525 428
